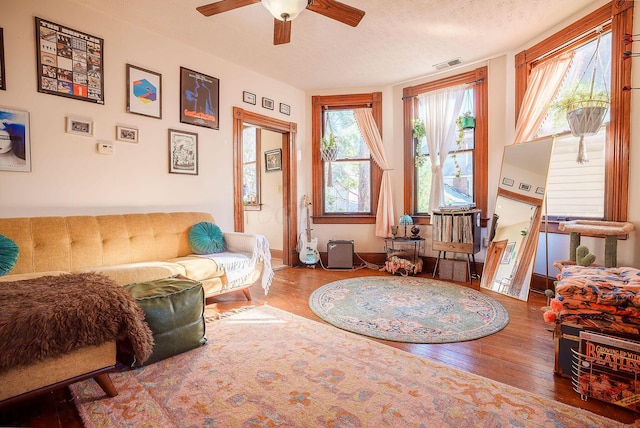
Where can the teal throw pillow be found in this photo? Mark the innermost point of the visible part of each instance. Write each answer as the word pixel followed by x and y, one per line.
pixel 8 255
pixel 206 238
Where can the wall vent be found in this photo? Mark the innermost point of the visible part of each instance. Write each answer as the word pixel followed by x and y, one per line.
pixel 447 64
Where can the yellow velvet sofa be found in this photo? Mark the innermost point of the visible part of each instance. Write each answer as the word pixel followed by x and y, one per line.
pixel 128 248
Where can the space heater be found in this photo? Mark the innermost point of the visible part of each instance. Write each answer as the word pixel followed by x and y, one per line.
pixel 340 254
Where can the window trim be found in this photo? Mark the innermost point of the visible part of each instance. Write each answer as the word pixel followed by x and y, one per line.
pixel 318 103
pixel 620 14
pixel 478 78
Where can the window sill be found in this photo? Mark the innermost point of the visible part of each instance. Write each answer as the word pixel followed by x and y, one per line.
pixel 344 219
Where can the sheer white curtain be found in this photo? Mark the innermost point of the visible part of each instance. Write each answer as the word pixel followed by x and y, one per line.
pixel 371 135
pixel 542 87
pixel 439 111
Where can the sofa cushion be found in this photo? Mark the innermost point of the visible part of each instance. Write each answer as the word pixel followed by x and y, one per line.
pixel 138 272
pixel 206 238
pixel 8 255
pixel 198 268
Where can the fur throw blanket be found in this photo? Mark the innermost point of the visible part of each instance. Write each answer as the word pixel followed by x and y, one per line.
pixel 52 315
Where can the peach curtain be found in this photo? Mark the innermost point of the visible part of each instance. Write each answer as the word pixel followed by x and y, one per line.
pixel 371 134
pixel 542 87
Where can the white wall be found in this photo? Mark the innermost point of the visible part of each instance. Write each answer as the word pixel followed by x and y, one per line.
pixel 69 177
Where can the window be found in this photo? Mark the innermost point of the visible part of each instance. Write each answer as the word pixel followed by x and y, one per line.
pixel 577 189
pixel 250 168
pixel 347 179
pixel 597 189
pixel 464 170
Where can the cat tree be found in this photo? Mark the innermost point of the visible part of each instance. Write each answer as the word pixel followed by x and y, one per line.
pixel 610 229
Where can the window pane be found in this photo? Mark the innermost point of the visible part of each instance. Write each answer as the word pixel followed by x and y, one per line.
pixel 348 179
pixel 573 189
pixel 458 169
pixel 577 83
pixel 458 181
pixel 249 144
pixel 249 184
pixel 347 187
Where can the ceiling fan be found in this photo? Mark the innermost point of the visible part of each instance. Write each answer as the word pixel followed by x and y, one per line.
pixel 285 10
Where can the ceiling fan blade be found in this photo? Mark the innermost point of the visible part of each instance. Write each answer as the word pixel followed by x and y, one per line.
pixel 281 32
pixel 339 11
pixel 223 6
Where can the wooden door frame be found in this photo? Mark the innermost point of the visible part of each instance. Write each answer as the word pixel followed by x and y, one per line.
pixel 289 189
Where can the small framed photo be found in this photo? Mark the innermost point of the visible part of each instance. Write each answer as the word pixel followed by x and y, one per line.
pixel 127 134
pixel 248 97
pixel 540 190
pixel 79 126
pixel 144 92
pixel 285 109
pixel 267 103
pixel 183 152
pixel 15 144
pixel 507 182
pixel 273 160
pixel 524 186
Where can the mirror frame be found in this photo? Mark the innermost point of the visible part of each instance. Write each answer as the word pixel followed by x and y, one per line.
pixel 524 269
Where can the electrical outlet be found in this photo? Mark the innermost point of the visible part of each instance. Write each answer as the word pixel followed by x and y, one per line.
pixel 485 242
pixel 105 147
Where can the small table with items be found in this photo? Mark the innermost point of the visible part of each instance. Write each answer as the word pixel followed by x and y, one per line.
pixel 403 255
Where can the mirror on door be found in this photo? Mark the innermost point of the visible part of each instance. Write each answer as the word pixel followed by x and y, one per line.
pixel 515 226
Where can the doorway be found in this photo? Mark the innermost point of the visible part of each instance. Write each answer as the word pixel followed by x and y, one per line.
pixel 287 132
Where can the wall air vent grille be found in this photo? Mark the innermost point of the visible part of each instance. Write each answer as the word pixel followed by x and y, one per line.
pixel 447 64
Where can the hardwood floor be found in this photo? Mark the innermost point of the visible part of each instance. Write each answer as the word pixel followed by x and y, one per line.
pixel 521 355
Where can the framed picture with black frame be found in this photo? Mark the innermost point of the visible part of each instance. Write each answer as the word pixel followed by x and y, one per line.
pixel 199 99
pixel 144 92
pixel 70 63
pixel 3 79
pixel 183 152
pixel 273 160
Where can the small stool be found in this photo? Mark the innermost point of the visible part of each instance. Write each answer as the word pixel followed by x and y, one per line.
pixel 174 310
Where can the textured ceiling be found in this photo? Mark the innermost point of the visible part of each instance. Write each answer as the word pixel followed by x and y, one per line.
pixel 397 40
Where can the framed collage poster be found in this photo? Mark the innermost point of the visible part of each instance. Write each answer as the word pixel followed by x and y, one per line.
pixel 144 92
pixel 15 145
pixel 199 99
pixel 70 62
pixel 183 152
pixel 3 82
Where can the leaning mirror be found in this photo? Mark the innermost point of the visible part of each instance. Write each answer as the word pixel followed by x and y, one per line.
pixel 516 221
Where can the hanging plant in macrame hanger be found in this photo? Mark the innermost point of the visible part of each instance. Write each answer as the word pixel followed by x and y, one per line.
pixel 329 149
pixel 586 111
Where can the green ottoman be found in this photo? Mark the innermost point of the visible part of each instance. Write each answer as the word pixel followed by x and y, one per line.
pixel 174 310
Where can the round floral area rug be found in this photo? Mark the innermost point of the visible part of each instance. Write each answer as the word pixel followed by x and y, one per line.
pixel 408 309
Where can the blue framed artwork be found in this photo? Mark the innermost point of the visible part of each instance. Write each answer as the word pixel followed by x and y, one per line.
pixel 199 99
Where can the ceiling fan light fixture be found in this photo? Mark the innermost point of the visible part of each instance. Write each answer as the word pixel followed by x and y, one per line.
pixel 285 10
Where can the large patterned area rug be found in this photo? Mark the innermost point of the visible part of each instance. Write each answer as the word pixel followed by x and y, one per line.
pixel 408 309
pixel 269 368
